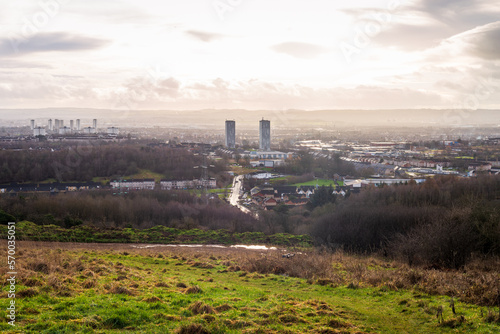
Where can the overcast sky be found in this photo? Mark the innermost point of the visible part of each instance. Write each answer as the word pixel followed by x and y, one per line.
pixel 251 54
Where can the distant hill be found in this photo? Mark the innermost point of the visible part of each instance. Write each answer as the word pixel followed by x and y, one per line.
pixel 209 118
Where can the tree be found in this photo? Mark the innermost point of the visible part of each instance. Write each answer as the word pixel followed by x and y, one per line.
pixel 6 218
pixel 321 196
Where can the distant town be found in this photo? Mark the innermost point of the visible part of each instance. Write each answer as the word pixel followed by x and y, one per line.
pixel 266 161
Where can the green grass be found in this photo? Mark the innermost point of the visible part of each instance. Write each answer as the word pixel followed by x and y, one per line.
pixel 145 174
pixel 158 234
pixel 110 291
pixel 142 174
pixel 320 182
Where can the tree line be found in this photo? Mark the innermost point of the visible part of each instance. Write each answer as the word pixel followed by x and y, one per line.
pixel 442 222
pixel 141 209
pixel 321 167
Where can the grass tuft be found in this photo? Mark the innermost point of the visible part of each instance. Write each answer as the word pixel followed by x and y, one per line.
pixel 152 299
pixel 223 308
pixel 201 308
pixel 335 323
pixel 40 267
pixel 118 289
pixel 193 289
pixel 193 329
pixel 27 293
pixel 453 323
pixel 162 285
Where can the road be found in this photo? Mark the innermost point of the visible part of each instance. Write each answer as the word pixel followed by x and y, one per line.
pixel 235 194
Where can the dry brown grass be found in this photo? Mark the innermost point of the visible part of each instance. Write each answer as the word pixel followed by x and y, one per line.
pixel 162 285
pixel 119 289
pixel 54 265
pixel 26 293
pixel 201 308
pixel 223 308
pixel 193 329
pixel 193 289
pixel 152 299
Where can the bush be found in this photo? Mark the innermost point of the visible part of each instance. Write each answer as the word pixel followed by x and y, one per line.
pixel 6 218
pixel 446 242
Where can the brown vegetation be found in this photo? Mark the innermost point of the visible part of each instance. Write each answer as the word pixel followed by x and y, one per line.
pixel 201 308
pixel 193 329
pixel 477 282
pixel 143 209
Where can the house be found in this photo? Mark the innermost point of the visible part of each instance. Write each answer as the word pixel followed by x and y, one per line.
pixel 306 191
pixel 339 191
pixel 284 192
pixel 480 167
pixel 254 191
pixel 49 187
pixel 188 184
pixel 267 192
pixel 269 203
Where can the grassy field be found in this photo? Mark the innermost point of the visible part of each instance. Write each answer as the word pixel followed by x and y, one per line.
pixel 243 170
pixel 158 234
pixel 142 174
pixel 95 288
pixel 320 182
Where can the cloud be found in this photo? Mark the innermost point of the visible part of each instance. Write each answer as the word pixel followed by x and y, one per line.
pixel 483 42
pixel 33 90
pixel 46 42
pixel 19 64
pixel 255 94
pixel 203 35
pixel 299 49
pixel 31 87
pixel 412 37
pixel 423 24
pixel 480 43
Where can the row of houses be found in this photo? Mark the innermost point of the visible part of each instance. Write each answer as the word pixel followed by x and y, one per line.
pixel 134 184
pixel 54 187
pixel 259 158
pixel 269 197
pixel 188 184
pixel 406 163
pixel 150 184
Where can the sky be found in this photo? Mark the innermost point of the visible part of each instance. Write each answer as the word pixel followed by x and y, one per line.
pixel 250 54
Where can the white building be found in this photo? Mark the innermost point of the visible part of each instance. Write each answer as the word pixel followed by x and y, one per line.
pixel 266 155
pixel 113 131
pixel 39 131
pixel 134 184
pixel 89 130
pixel 64 130
pixel 187 184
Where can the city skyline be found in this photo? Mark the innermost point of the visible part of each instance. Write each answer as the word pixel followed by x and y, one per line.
pixel 250 55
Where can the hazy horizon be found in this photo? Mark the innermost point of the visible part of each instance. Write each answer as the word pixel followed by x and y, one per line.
pixel 248 119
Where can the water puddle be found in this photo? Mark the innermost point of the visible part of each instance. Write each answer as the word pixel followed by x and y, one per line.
pixel 249 247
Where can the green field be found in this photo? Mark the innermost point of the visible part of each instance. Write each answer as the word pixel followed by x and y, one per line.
pixel 63 288
pixel 158 234
pixel 142 174
pixel 320 182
